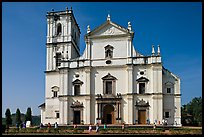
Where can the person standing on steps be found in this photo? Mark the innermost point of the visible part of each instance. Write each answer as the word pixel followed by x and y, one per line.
pixel 90 128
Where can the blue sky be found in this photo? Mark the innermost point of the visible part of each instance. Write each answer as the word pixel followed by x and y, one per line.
pixel 176 27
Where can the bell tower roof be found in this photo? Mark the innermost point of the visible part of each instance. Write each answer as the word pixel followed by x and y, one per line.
pixel 57 14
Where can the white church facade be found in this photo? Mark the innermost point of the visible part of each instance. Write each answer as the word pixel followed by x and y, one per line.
pixel 110 82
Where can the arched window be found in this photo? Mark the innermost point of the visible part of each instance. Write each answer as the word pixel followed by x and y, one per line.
pixel 55 90
pixel 59 28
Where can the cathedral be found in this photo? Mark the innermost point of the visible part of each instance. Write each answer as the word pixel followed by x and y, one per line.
pixel 110 83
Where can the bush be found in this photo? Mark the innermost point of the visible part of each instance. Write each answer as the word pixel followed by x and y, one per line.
pixel 3 129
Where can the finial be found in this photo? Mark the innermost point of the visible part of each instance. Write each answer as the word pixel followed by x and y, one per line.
pixel 158 50
pixel 66 8
pixel 129 26
pixel 71 8
pixel 52 9
pixel 108 18
pixel 88 29
pixel 153 50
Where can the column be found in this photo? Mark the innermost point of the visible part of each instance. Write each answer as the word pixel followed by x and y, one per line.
pixel 65 107
pixel 61 111
pixel 69 28
pixel 129 49
pixel 48 58
pixel 87 111
pixel 130 109
pixel 129 79
pixel 98 110
pixel 88 79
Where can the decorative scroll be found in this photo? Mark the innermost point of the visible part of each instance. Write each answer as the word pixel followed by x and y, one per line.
pixel 77 104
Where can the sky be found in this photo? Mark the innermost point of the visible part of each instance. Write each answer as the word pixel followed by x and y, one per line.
pixel 175 26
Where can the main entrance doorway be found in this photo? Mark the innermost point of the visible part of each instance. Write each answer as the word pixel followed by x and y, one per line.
pixel 108 114
pixel 141 116
pixel 76 117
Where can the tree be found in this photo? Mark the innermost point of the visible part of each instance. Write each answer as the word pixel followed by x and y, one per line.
pixel 191 113
pixel 8 117
pixel 18 116
pixel 28 116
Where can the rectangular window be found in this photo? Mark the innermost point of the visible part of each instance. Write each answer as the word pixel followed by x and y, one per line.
pixel 76 90
pixel 58 59
pixel 168 90
pixel 57 115
pixel 55 94
pixel 108 87
pixel 141 88
pixel 167 114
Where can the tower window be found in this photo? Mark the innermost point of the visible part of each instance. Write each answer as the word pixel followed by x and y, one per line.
pixel 55 89
pixel 59 29
pixel 141 88
pixel 76 90
pixel 55 94
pixel 58 55
pixel 168 90
pixel 57 115
pixel 167 114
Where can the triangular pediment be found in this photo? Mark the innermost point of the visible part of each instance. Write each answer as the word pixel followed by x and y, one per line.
pixel 109 77
pixel 77 81
pixel 169 83
pixel 109 28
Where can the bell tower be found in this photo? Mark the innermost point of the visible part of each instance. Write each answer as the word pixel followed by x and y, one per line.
pixel 63 36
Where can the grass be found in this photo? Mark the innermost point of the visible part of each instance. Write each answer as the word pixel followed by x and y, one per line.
pixel 115 130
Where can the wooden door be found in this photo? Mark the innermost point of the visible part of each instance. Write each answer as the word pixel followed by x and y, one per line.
pixel 142 116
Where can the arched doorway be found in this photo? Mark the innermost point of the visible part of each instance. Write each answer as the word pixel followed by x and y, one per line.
pixel 108 114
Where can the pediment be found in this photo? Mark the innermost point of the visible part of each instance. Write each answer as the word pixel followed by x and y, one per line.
pixel 55 88
pixel 142 103
pixel 109 28
pixel 77 81
pixel 169 83
pixel 142 79
pixel 109 77
pixel 77 104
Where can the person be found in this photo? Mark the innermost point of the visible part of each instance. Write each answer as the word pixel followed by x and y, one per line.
pixel 148 121
pixel 90 128
pixel 41 125
pixel 163 121
pixel 49 125
pixel 97 128
pixel 17 126
pixel 24 125
pixel 175 122
pixel 56 125
pixel 123 126
pixel 104 126
pixel 75 126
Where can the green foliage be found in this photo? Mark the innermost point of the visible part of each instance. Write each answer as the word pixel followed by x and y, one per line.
pixel 18 116
pixel 192 112
pixel 28 116
pixel 8 117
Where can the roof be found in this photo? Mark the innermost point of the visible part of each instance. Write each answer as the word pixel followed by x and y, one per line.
pixel 42 105
pixel 106 24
